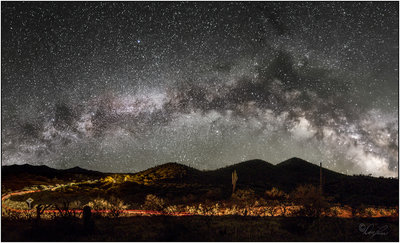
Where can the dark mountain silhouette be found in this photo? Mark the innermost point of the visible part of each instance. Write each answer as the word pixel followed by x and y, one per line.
pixel 260 174
pixel 257 175
pixel 295 171
pixel 15 177
pixel 43 170
pixel 79 170
pixel 251 172
pixel 170 172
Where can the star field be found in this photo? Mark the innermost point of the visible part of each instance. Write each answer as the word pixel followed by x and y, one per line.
pixel 124 86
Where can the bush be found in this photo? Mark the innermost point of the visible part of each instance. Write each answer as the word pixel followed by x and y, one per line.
pixel 276 194
pixel 114 206
pixel 308 196
pixel 64 209
pixel 244 197
pixel 76 204
pixel 152 202
pixel 171 209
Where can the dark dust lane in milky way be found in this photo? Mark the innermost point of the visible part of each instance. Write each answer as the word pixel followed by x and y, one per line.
pixel 123 86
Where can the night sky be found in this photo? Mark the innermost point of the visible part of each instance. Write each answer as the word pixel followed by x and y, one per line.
pixel 124 86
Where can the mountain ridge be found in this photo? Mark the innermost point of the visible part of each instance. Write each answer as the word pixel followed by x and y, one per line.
pixel 257 175
pixel 289 163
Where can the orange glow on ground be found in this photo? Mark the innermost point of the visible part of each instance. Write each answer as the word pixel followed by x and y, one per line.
pixel 287 211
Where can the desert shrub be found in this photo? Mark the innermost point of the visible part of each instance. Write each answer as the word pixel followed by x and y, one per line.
pixel 260 202
pixel 363 211
pixel 16 204
pixel 196 209
pixel 26 215
pixel 76 204
pixel 67 209
pixel 98 205
pixel 308 196
pixel 234 210
pixel 274 208
pixel 114 206
pixel 191 209
pixel 215 209
pixel 202 210
pixel 276 202
pixel 208 209
pixel 244 197
pixel 171 209
pixel 334 211
pixel 275 194
pixel 152 202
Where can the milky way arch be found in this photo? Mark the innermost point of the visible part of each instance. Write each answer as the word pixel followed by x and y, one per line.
pixel 126 86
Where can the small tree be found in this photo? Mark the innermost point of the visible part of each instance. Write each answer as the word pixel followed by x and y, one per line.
pixel 152 202
pixel 99 205
pixel 74 206
pixel 64 209
pixel 40 210
pixel 116 206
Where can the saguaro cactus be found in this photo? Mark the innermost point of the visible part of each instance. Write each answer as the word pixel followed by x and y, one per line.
pixel 320 179
pixel 234 180
pixel 87 218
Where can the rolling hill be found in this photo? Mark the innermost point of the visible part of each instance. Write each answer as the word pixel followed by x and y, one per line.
pixel 177 179
pixel 14 177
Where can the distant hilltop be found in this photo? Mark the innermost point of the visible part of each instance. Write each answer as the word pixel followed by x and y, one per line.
pixel 257 175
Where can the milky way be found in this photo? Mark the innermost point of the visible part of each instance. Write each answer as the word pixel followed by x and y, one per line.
pixel 124 86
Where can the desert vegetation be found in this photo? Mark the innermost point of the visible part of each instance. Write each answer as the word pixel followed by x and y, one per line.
pixel 221 210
